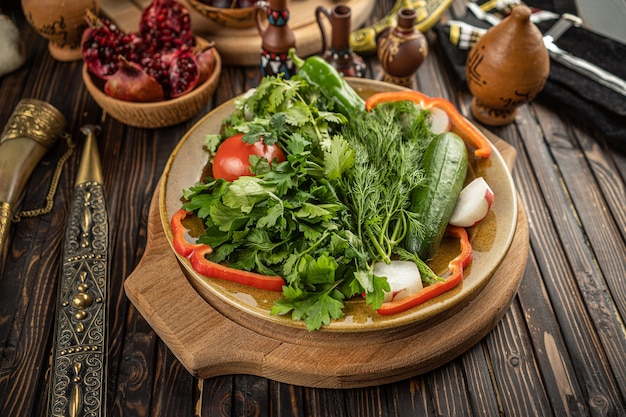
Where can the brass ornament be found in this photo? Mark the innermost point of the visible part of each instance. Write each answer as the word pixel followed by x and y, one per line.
pixel 34 119
pixel 5 223
pixel 365 40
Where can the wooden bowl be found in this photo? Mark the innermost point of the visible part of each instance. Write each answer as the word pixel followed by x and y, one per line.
pixel 157 114
pixel 239 18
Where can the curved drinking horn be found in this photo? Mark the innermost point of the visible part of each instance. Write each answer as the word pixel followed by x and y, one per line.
pixel 31 130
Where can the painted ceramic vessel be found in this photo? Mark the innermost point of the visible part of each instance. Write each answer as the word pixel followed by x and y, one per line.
pixel 402 49
pixel 276 38
pixel 62 22
pixel 507 68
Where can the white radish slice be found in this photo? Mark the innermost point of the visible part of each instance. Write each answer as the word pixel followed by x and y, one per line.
pixel 246 111
pixel 439 121
pixel 473 205
pixel 403 277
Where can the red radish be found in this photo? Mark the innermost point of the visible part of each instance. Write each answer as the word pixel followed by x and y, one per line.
pixel 403 277
pixel 473 205
pixel 439 121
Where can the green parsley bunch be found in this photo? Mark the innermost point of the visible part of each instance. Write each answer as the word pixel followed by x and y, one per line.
pixel 289 220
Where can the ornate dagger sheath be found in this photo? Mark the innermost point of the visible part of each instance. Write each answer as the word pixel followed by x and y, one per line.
pixel 79 365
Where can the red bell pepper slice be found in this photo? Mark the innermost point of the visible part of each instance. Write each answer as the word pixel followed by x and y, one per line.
pixel 460 125
pixel 196 254
pixel 181 245
pixel 427 293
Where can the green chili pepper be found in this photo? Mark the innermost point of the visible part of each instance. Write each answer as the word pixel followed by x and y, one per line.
pixel 315 70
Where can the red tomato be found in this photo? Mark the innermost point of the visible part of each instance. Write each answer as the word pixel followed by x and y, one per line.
pixel 232 159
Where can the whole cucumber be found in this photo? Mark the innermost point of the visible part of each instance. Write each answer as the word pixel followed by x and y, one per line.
pixel 445 164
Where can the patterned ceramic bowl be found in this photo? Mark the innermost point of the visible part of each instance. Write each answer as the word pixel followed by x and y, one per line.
pixel 230 17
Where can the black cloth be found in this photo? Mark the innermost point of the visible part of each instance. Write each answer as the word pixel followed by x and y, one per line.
pixel 586 101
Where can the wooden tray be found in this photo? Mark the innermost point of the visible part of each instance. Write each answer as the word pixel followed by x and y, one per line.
pixel 243 46
pixel 209 344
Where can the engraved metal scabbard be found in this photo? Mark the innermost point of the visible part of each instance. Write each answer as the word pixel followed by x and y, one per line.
pixel 79 362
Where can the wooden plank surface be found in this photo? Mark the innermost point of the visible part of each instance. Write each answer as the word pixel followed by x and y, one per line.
pixel 559 350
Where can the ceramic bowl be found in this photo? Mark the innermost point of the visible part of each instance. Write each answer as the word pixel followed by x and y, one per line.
pixel 157 114
pixel 249 307
pixel 237 18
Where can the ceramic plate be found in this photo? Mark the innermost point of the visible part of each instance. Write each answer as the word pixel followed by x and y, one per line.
pixel 491 239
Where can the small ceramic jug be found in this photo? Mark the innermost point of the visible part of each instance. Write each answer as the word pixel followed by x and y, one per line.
pixel 402 49
pixel 276 38
pixel 507 68
pixel 338 52
pixel 62 22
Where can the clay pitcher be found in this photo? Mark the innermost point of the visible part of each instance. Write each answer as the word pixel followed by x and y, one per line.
pixel 276 37
pixel 507 68
pixel 61 22
pixel 338 51
pixel 402 49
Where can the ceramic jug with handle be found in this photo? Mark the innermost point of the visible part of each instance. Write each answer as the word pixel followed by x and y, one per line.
pixel 276 37
pixel 337 51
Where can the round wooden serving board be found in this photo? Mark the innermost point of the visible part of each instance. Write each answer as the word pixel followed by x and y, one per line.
pixel 209 344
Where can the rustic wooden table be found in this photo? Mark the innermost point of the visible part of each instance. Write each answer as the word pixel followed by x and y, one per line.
pixel 560 349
